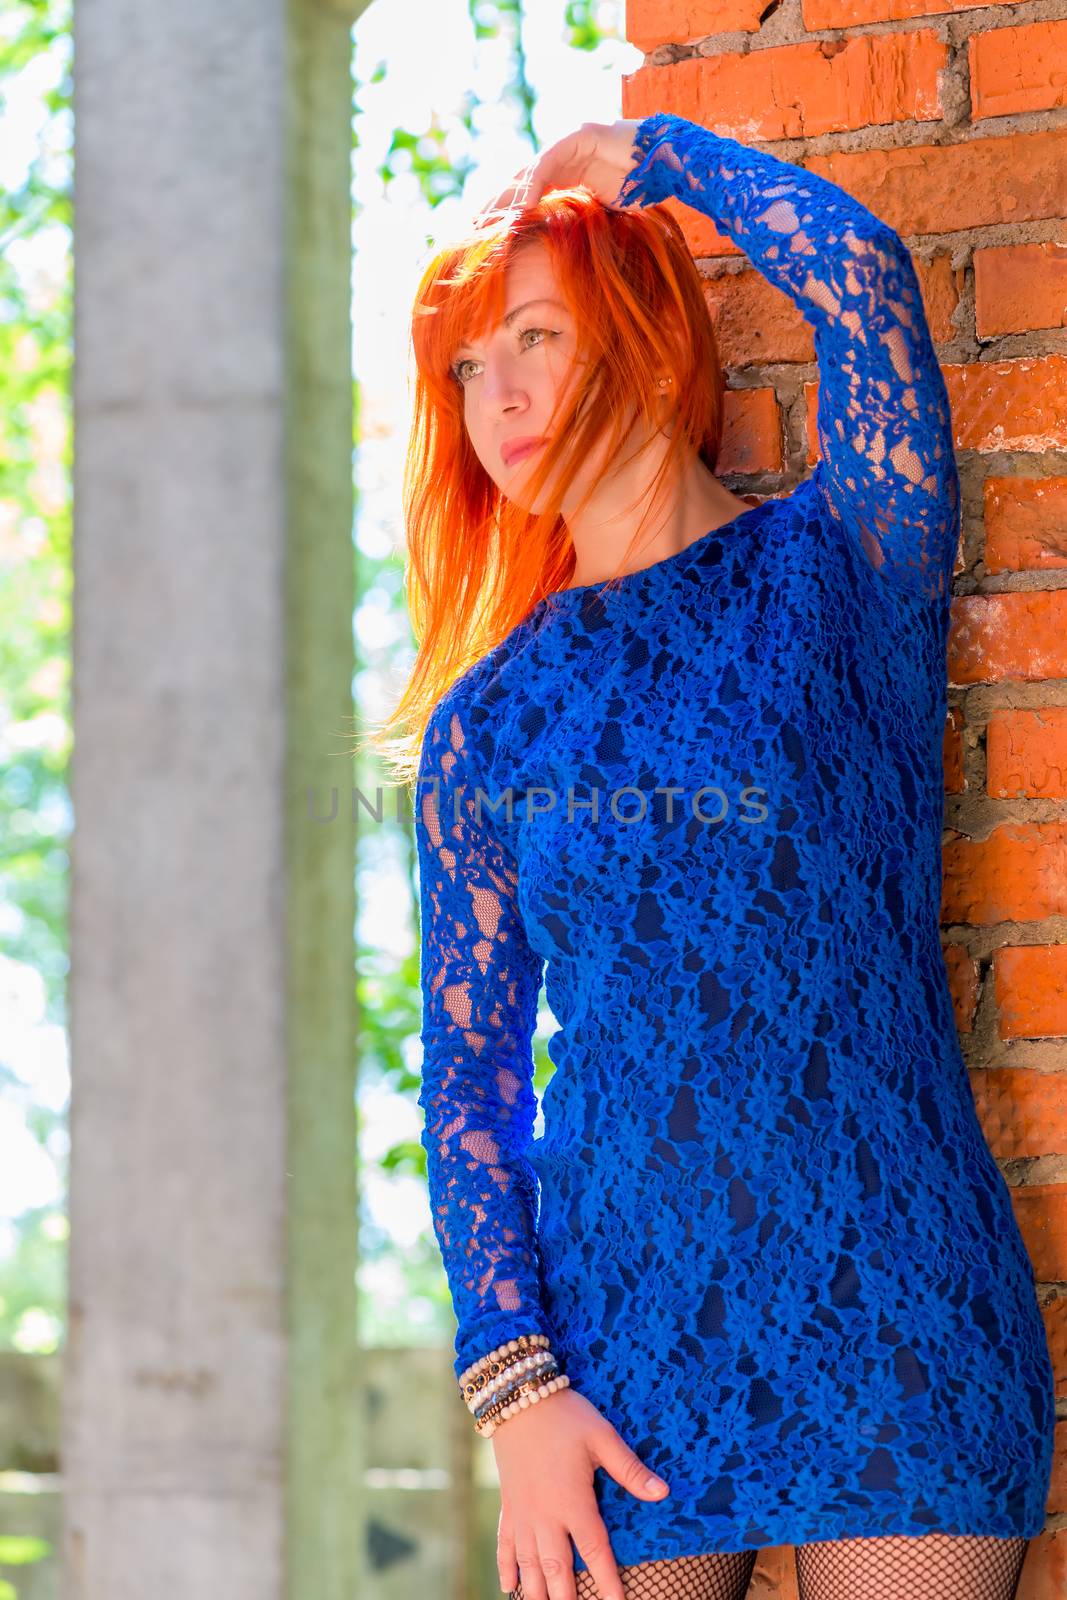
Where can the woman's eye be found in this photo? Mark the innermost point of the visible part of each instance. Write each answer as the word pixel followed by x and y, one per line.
pixel 457 369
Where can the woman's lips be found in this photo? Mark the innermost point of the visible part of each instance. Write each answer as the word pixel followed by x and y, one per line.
pixel 527 450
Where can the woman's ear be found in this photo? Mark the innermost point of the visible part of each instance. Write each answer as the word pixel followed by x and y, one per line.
pixel 665 394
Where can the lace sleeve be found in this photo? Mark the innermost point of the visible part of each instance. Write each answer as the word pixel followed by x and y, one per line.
pixel 887 468
pixel 480 981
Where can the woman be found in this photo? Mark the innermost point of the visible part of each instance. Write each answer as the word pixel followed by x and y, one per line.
pixel 762 1246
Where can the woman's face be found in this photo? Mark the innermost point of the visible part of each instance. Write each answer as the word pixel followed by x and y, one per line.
pixel 514 377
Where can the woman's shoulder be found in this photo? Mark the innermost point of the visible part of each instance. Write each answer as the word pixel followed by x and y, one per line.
pixel 484 690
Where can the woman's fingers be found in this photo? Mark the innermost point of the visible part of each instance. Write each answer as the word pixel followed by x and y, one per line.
pixel 557 1563
pixel 528 1560
pixel 593 1545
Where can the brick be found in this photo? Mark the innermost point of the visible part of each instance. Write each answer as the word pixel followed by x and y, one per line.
pixel 1022 1112
pixel 1009 405
pixel 940 285
pixel 1017 177
pixel 752 432
pixel 1041 1212
pixel 799 90
pixel 755 322
pixel 1026 753
pixel 1018 287
pixel 1030 986
pixel 952 752
pixel 1018 69
pixel 997 636
pixel 962 970
pixel 650 23
pixel 774 1573
pixel 854 13
pixel 1017 874
pixel 1056 1501
pixel 1025 523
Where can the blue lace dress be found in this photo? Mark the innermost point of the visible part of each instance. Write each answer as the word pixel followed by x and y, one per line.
pixel 761 1227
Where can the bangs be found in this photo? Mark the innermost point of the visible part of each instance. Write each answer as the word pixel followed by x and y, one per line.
pixel 461 296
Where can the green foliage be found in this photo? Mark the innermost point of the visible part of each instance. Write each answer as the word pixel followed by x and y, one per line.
pixel 22 1550
pixel 439 176
pixel 584 31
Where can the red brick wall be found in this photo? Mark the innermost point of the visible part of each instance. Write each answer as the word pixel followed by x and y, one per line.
pixel 946 120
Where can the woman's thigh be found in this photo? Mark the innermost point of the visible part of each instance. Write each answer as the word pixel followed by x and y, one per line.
pixel 929 1566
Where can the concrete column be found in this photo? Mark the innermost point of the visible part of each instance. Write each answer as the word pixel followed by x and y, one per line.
pixel 211 1420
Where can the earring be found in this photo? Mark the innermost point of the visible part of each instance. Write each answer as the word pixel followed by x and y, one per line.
pixel 663 382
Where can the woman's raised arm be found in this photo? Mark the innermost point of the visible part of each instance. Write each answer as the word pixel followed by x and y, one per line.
pixel 887 466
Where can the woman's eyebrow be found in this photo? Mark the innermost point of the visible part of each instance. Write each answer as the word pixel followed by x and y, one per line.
pixel 541 300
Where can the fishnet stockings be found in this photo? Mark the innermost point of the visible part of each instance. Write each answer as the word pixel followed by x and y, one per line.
pixel 930 1566
pixel 705 1577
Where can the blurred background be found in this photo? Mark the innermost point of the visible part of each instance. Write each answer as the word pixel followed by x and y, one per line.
pixel 450 98
pixel 225 1334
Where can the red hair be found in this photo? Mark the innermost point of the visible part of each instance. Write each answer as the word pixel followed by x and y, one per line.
pixel 476 561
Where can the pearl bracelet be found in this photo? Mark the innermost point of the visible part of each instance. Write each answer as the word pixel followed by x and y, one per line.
pixel 541 1364
pixel 514 1376
pixel 474 1380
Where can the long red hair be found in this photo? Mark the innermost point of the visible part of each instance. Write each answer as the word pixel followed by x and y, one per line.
pixel 476 561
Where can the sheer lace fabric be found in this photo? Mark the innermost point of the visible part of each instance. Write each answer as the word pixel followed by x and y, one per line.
pixel 760 1223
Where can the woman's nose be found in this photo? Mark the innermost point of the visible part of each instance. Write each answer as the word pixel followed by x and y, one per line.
pixel 500 386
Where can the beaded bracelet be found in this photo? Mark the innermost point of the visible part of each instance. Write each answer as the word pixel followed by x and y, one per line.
pixel 514 1376
pixel 474 1380
pixel 543 1364
pixel 530 1393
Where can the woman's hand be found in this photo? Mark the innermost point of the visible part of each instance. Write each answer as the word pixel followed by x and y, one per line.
pixel 599 155
pixel 545 1458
